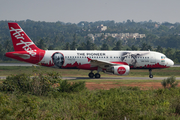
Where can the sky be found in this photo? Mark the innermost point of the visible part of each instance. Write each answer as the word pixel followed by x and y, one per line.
pixel 75 11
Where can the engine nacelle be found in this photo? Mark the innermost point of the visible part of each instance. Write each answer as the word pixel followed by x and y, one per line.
pixel 119 70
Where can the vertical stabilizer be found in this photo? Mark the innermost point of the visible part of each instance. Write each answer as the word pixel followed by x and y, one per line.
pixel 21 41
pixel 24 48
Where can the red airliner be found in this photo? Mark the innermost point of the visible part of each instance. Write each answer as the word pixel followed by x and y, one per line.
pixel 113 62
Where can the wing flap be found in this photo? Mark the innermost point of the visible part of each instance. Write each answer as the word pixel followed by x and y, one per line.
pixel 104 64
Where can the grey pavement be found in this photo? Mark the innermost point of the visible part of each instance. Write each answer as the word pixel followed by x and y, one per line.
pixel 16 64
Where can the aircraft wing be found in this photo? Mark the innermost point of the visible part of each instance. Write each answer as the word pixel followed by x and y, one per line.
pixel 104 64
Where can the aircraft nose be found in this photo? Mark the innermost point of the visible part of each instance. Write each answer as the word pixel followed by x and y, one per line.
pixel 169 62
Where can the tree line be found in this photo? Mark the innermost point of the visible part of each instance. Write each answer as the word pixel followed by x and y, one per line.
pixel 67 36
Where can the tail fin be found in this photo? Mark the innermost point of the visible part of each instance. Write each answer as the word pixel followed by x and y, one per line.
pixel 21 41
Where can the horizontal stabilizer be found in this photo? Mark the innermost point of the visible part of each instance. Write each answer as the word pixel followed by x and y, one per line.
pixel 24 56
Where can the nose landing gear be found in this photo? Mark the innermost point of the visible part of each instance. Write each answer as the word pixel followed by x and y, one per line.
pixel 150 73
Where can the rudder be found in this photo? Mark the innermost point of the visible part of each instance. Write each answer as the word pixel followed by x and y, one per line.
pixel 20 39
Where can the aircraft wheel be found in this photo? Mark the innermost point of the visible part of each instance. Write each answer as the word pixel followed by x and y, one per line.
pixel 97 75
pixel 150 73
pixel 150 76
pixel 91 75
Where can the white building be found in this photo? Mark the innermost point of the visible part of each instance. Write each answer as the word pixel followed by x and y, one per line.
pixel 102 27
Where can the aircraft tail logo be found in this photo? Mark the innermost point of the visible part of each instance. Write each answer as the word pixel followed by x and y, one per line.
pixel 24 48
pixel 20 39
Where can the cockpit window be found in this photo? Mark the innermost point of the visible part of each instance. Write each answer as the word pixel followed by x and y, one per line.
pixel 163 58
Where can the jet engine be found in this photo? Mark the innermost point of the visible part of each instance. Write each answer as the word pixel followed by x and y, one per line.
pixel 119 70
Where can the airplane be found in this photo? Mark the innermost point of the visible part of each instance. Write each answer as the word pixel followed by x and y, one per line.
pixel 111 62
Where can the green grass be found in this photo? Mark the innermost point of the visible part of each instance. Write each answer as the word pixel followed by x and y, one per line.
pixel 21 103
pixel 118 103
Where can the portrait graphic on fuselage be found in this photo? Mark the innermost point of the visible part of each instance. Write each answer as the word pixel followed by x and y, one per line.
pixel 58 59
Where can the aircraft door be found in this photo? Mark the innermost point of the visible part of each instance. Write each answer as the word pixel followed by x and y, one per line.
pixel 138 61
pixel 152 58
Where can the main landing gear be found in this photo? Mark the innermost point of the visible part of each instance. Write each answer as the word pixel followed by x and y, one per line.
pixel 150 73
pixel 91 75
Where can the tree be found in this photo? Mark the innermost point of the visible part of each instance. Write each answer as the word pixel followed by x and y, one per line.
pixel 51 47
pixel 104 47
pixel 67 46
pixel 74 37
pixel 169 53
pixel 176 56
pixel 41 44
pixel 7 45
pixel 146 47
pixel 118 45
pixel 102 37
pixel 73 45
pixel 149 47
pixel 159 49
pixel 110 41
pixel 169 82
pixel 89 44
pixel 163 28
pixel 2 52
pixel 82 46
pixel 133 47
